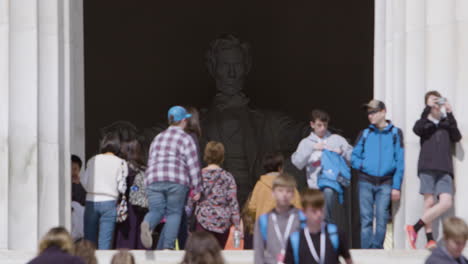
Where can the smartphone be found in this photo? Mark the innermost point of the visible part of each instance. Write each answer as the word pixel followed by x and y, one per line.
pixel 441 101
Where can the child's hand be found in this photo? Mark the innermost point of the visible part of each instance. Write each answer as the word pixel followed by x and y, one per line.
pixel 395 195
pixel 319 146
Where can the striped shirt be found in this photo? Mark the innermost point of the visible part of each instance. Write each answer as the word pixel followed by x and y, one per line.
pixel 173 157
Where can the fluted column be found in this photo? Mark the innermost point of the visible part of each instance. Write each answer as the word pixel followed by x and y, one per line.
pixel 37 71
pixel 460 99
pixel 4 110
pixel 23 115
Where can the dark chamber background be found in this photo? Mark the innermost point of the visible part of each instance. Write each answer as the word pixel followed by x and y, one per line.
pixel 141 57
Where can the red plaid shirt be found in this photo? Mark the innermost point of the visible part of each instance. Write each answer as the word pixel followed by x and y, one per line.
pixel 173 157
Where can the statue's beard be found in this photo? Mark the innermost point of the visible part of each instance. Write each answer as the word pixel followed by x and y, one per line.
pixel 227 100
pixel 229 87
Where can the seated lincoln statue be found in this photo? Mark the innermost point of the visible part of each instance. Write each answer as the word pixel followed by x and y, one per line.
pixel 247 133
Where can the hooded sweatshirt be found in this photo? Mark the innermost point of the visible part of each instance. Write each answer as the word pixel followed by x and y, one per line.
pixel 440 255
pixel 261 201
pixel 306 156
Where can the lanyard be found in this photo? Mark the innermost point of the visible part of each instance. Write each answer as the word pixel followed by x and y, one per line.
pixel 283 238
pixel 310 243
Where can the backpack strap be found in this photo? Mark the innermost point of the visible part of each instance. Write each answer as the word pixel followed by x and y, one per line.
pixel 333 235
pixel 263 225
pixel 294 238
pixel 365 134
pixel 302 219
pixel 395 135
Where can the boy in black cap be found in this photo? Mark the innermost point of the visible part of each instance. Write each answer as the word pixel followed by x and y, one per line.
pixel 379 158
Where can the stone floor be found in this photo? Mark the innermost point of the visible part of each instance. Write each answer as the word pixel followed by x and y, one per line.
pixel 235 257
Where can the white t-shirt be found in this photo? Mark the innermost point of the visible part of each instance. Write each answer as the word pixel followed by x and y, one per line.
pixel 102 178
pixel 77 219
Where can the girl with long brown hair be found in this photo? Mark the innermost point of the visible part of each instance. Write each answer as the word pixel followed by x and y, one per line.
pixel 202 248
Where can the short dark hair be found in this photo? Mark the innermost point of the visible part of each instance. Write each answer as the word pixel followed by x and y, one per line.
pixel 214 153
pixel 320 115
pixel 110 143
pixel 132 152
pixel 273 162
pixel 77 160
pixel 174 123
pixel 434 93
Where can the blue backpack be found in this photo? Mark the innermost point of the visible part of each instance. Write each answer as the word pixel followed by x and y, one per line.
pixel 332 231
pixel 294 238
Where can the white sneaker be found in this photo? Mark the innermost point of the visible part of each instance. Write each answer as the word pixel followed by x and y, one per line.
pixel 145 235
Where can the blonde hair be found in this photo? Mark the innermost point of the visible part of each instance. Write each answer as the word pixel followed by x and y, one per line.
pixel 455 228
pixel 86 250
pixel 202 248
pixel 312 198
pixel 58 237
pixel 214 153
pixel 284 180
pixel 123 257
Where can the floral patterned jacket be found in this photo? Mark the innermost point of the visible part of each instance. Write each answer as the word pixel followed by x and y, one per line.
pixel 217 208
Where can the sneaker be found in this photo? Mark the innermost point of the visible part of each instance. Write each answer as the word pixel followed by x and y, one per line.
pixel 145 235
pixel 411 235
pixel 431 245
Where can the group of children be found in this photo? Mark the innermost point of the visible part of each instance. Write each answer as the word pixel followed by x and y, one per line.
pixel 288 235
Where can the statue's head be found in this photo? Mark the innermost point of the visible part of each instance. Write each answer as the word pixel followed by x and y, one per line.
pixel 229 61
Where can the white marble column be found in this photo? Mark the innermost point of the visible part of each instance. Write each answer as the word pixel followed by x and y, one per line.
pixel 4 107
pixel 425 48
pixel 36 75
pixel 23 113
pixel 77 97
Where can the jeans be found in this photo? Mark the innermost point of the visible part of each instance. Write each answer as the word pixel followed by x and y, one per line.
pixel 371 195
pixel 329 195
pixel 99 223
pixel 166 199
pixel 182 236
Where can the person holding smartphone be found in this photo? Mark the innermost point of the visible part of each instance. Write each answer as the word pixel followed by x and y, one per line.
pixel 438 130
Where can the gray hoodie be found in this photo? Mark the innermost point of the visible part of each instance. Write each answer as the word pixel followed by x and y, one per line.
pixel 266 252
pixel 440 255
pixel 308 157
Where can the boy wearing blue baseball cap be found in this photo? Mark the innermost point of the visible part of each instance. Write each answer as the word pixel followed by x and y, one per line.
pixel 173 169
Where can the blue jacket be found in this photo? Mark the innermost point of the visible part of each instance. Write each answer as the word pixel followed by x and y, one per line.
pixel 335 173
pixel 380 153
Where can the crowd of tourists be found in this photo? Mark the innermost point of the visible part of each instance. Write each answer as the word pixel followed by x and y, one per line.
pixel 176 195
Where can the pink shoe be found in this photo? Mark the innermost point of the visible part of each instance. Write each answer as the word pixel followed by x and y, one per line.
pixel 431 245
pixel 411 235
